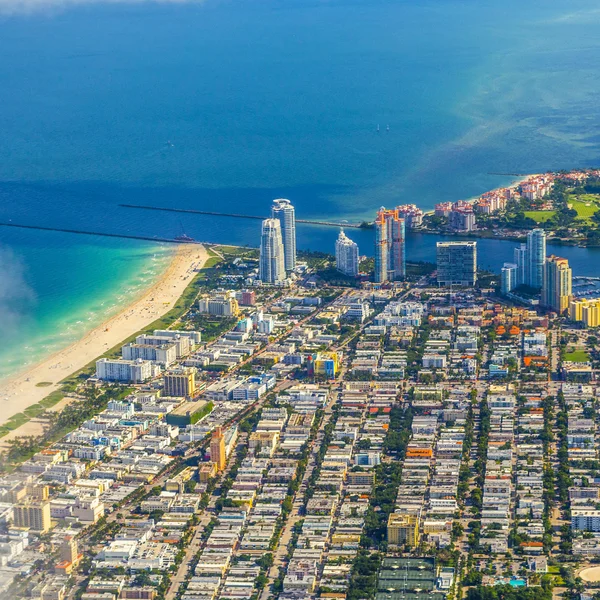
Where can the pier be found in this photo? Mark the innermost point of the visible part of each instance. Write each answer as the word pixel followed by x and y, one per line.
pixel 145 238
pixel 236 215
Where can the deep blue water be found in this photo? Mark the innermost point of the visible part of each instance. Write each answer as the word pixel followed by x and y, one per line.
pixel 231 103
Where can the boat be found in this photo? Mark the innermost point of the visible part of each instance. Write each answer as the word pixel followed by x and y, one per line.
pixel 377 127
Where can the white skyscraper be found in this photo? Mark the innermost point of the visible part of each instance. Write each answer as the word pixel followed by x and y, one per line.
pixel 520 254
pixel 284 211
pixel 272 264
pixel 346 255
pixel 530 258
pixel 508 280
pixel 536 256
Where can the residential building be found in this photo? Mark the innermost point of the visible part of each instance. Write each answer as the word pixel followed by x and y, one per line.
pixel 389 246
pixel 346 255
pixel 536 256
pixel 457 263
pixel 220 305
pixel 130 371
pixel 412 215
pixel 68 550
pixel 557 290
pixel 520 259
pixel 246 297
pixel 325 363
pixel 462 217
pixel 165 354
pixel 585 310
pixel 284 211
pixel 272 254
pixel 180 383
pixel 403 529
pixel 217 449
pixel 32 515
pixel 508 280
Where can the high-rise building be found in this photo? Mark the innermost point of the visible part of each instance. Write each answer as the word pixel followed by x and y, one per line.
pixel 222 305
pixel 557 285
pixel 284 211
pixel 389 246
pixel 462 217
pixel 457 263
pixel 130 371
pixel 508 281
pixel 520 259
pixel 246 297
pixel 272 262
pixel 530 258
pixel 68 550
pixel 403 529
pixel 586 310
pixel 32 515
pixel 346 255
pixel 180 383
pixel 412 215
pixel 536 256
pixel 217 449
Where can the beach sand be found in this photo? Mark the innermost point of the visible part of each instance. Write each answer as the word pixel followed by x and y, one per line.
pixel 19 392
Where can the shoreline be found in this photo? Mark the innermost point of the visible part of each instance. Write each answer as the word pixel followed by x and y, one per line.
pixel 21 391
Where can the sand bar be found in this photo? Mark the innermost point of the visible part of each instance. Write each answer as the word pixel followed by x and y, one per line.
pixel 19 392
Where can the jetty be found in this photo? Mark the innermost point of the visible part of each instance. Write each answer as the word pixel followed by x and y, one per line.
pixel 146 238
pixel 236 215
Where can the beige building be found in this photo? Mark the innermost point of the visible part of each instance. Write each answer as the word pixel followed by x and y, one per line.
pixel 218 455
pixel 585 310
pixel 180 383
pixel 221 305
pixel 206 471
pixel 403 529
pixel 35 516
pixel 557 287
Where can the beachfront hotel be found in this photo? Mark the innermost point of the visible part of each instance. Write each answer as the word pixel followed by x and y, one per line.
pixel 272 254
pixel 457 263
pixel 346 255
pixel 389 246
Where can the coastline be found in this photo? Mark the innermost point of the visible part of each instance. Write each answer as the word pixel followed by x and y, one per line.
pixel 21 391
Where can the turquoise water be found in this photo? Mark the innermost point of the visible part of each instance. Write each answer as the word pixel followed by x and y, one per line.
pixel 54 291
pixel 230 103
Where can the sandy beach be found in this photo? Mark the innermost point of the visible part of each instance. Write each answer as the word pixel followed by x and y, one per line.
pixel 21 391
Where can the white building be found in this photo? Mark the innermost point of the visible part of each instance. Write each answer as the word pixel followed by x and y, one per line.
pixel 585 520
pixel 346 255
pixel 165 354
pixel 509 276
pixel 130 371
pixel 284 212
pixel 272 254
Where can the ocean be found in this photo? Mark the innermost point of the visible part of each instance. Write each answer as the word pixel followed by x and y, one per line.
pixel 227 104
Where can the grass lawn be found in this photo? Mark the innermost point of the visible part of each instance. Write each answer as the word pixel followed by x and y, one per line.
pixel 585 205
pixel 577 356
pixel 540 216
